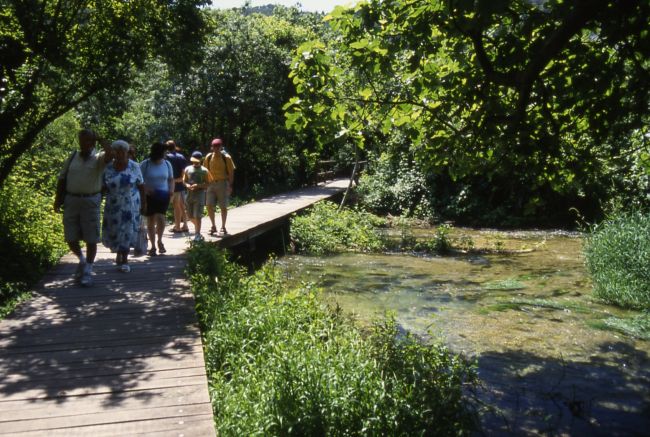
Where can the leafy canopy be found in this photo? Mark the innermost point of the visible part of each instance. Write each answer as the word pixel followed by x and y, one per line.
pixel 57 54
pixel 539 93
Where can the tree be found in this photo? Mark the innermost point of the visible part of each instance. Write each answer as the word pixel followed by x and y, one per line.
pixel 536 94
pixel 57 54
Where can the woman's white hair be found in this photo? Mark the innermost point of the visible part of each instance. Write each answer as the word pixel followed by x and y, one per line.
pixel 120 144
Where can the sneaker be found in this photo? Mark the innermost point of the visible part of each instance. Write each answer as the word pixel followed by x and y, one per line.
pixel 78 274
pixel 86 279
pixel 198 237
pixel 125 268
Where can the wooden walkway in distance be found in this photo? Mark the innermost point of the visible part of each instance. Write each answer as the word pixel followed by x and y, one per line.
pixel 123 357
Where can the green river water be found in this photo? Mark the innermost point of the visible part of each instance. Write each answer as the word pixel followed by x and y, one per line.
pixel 523 308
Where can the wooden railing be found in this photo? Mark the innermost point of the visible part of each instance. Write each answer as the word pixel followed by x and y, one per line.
pixel 328 170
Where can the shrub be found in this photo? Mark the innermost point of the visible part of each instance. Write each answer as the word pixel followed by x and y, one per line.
pixel 31 234
pixel 280 363
pixel 327 230
pixel 396 186
pixel 617 255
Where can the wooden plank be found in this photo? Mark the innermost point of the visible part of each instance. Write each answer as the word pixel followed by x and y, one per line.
pixel 137 383
pixel 95 403
pixel 178 412
pixel 123 357
pixel 197 425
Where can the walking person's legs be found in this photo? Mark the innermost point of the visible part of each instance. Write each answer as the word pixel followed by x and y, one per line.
pixel 151 234
pixel 124 264
pixel 224 216
pixel 160 229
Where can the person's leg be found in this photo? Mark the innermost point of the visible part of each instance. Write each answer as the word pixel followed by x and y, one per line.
pixel 91 252
pixel 90 221
pixel 211 216
pixel 151 233
pixel 177 204
pixel 222 197
pixel 72 232
pixel 160 228
pixel 184 217
pixel 124 267
pixel 211 201
pixel 224 216
pixel 75 247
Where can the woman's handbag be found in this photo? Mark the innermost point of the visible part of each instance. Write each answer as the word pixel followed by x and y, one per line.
pixel 140 247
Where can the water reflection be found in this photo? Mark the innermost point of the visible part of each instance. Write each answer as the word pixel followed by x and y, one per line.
pixel 525 310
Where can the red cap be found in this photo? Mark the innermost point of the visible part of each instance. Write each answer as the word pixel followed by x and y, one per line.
pixel 216 142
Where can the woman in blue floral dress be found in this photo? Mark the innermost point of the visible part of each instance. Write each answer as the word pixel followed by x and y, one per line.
pixel 123 185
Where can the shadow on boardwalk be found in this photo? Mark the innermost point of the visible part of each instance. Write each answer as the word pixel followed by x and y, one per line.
pixel 128 334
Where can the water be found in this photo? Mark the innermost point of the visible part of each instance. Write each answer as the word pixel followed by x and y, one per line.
pixel 523 309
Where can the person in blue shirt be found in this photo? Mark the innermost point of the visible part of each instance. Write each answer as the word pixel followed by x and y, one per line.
pixel 178 162
pixel 158 186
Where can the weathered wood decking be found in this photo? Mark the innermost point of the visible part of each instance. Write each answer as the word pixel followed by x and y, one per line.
pixel 125 356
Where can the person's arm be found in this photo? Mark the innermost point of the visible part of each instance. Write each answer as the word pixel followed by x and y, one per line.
pixel 231 175
pixel 106 147
pixel 170 178
pixel 143 198
pixel 186 180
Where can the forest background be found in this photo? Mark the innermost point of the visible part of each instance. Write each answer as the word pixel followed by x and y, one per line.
pixel 501 113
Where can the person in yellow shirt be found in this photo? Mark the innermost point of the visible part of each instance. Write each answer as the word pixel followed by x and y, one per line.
pixel 222 173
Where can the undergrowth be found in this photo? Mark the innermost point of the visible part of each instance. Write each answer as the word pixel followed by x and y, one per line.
pixel 281 363
pixel 617 255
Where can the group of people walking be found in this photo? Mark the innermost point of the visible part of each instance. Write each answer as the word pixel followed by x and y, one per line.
pixel 133 190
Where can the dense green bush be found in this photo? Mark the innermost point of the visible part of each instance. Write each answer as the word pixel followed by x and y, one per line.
pixel 280 363
pixel 327 230
pixel 395 185
pixel 617 254
pixel 31 234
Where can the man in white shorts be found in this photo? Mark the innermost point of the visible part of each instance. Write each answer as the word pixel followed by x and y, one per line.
pixel 79 192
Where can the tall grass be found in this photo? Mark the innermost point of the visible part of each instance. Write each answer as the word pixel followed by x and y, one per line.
pixel 617 254
pixel 280 363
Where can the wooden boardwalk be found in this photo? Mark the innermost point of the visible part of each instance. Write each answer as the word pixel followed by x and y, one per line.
pixel 123 357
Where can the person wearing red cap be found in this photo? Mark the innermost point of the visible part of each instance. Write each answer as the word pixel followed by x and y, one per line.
pixel 222 172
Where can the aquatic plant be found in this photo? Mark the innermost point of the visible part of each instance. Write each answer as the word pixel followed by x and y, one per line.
pixel 281 363
pixel 326 229
pixel 617 255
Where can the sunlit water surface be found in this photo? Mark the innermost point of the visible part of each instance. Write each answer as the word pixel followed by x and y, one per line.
pixel 524 309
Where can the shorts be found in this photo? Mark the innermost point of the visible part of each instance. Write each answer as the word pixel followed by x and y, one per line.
pixel 81 218
pixel 157 203
pixel 217 193
pixel 194 204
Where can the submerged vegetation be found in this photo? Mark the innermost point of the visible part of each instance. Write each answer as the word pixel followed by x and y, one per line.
pixel 281 363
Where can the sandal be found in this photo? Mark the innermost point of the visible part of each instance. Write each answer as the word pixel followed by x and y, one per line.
pixel 152 252
pixel 223 231
pixel 213 230
pixel 176 231
pixel 161 248
pixel 185 229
